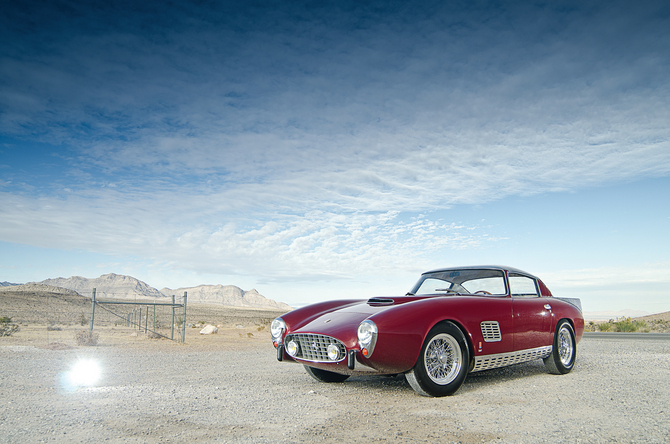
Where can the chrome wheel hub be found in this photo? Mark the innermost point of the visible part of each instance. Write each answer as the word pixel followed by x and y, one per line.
pixel 443 359
pixel 565 345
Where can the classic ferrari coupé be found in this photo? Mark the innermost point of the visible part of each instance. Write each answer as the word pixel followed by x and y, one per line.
pixel 454 321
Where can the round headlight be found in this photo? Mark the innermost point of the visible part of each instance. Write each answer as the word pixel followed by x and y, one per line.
pixel 277 327
pixel 367 337
pixel 333 352
pixel 292 348
pixel 366 331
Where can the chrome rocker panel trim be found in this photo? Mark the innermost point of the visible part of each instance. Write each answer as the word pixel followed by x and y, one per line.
pixel 487 362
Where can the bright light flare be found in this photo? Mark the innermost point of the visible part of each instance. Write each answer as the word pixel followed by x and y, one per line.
pixel 84 373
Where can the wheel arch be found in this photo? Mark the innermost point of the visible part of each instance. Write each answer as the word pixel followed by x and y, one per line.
pixel 558 321
pixel 466 335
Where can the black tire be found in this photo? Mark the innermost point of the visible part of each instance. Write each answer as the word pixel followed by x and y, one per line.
pixel 324 375
pixel 564 349
pixel 443 362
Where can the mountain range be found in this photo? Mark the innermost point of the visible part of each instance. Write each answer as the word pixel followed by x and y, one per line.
pixel 114 286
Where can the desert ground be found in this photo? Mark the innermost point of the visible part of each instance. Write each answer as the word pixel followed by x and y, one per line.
pixel 229 388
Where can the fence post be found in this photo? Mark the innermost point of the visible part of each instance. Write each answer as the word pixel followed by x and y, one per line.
pixel 172 325
pixel 146 321
pixel 92 310
pixel 183 325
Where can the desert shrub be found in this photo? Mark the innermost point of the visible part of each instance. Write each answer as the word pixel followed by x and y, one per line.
pixel 153 335
pixel 628 325
pixel 605 326
pixel 53 328
pixel 5 320
pixel 86 337
pixel 7 329
pixel 83 320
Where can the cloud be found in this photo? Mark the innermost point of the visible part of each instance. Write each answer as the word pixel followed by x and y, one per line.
pixel 643 286
pixel 296 136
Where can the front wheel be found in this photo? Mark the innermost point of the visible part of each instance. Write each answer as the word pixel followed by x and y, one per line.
pixel 443 363
pixel 562 357
pixel 324 375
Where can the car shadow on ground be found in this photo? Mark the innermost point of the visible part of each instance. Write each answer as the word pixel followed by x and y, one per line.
pixel 473 382
pixel 486 378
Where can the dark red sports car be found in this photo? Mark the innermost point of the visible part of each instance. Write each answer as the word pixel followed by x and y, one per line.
pixel 454 321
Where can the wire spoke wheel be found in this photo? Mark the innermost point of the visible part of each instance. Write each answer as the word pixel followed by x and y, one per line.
pixel 563 351
pixel 565 345
pixel 443 359
pixel 442 364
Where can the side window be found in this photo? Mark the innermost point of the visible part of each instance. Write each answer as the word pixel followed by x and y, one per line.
pixel 522 286
pixel 491 285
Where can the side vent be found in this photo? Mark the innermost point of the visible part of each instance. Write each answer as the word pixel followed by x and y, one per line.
pixel 491 331
pixel 381 301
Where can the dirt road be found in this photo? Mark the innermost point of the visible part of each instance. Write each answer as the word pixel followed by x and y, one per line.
pixel 239 393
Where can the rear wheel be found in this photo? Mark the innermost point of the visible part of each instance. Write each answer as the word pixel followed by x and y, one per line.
pixel 443 363
pixel 324 375
pixel 564 350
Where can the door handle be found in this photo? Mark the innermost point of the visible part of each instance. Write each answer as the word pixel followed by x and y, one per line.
pixel 547 306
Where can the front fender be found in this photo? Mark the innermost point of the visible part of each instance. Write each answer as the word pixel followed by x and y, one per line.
pixel 403 328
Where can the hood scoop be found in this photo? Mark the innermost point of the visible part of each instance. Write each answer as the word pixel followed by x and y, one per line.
pixel 381 301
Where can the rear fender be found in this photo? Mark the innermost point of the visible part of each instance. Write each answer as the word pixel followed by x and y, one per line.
pixel 561 309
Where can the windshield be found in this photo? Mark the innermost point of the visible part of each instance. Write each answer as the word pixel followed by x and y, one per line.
pixel 462 282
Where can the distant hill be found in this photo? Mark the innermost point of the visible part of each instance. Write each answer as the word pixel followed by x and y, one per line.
pixel 611 314
pixel 226 295
pixel 7 284
pixel 111 285
pixel 114 286
pixel 37 288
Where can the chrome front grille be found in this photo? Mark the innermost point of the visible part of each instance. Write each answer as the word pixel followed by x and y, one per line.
pixel 491 331
pixel 314 348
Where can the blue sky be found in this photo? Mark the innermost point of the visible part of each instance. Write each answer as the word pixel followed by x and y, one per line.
pixel 337 149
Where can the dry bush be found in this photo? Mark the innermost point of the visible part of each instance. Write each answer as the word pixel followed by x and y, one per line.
pixel 153 335
pixel 86 337
pixel 6 326
pixel 7 329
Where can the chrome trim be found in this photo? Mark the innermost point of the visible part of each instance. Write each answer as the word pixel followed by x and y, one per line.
pixel 314 347
pixel 369 345
pixel 487 362
pixel 381 301
pixel 491 331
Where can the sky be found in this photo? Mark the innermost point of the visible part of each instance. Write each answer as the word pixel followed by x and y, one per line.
pixel 324 150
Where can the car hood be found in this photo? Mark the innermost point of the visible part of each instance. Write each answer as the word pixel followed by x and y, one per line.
pixel 343 323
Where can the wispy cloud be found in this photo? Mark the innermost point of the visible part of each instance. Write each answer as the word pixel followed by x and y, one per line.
pixel 297 136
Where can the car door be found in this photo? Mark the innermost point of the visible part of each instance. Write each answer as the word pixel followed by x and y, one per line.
pixel 531 313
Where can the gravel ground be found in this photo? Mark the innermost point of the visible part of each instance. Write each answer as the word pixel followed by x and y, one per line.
pixel 618 392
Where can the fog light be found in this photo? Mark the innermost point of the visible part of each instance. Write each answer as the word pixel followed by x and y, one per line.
pixel 333 352
pixel 292 348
